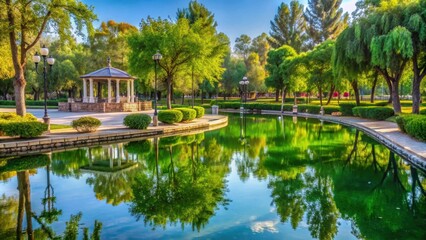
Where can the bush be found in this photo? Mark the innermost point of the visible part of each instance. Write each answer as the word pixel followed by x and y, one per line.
pixel 200 111
pixel 423 111
pixel 188 114
pixel 403 120
pixel 86 124
pixel 137 121
pixel 417 128
pixel 170 116
pixel 11 116
pixel 346 108
pixel 23 129
pixel 24 163
pixel 377 113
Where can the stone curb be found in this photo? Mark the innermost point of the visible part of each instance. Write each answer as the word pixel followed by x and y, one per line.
pixel 75 140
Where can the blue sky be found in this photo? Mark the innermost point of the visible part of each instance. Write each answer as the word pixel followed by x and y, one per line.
pixel 234 17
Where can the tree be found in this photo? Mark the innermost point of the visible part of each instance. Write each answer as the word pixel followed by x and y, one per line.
pixel 235 71
pixel 109 40
pixel 242 46
pixel 25 23
pixel 183 45
pixel 325 20
pixel 255 73
pixel 289 27
pixel 260 45
pixel 275 59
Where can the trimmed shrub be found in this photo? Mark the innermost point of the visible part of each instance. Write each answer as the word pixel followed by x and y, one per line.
pixel 188 114
pixel 423 111
pixel 86 124
pixel 417 128
pixel 200 111
pixel 137 121
pixel 24 163
pixel 138 147
pixel 346 108
pixel 331 109
pixel 377 113
pixel 23 129
pixel 404 119
pixel 170 116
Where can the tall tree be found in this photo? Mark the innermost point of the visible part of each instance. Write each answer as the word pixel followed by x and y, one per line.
pixel 325 20
pixel 242 46
pixel 25 23
pixel 260 45
pixel 235 71
pixel 289 27
pixel 275 59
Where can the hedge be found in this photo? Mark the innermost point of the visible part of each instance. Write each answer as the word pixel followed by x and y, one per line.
pixel 86 124
pixel 416 127
pixel 137 121
pixel 30 103
pixel 423 111
pixel 187 113
pixel 23 129
pixel 11 116
pixel 377 113
pixel 170 116
pixel 404 119
pixel 138 147
pixel 346 107
pixel 200 111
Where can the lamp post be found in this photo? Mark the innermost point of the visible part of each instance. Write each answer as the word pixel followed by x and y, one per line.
pixel 156 57
pixel 44 51
pixel 243 85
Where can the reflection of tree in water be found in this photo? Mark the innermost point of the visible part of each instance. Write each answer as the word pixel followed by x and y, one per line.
pixel 8 213
pixel 181 187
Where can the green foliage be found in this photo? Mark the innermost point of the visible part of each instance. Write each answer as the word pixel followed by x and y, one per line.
pixel 138 146
pixel 23 129
pixel 170 116
pixel 402 120
pixel 325 20
pixel 288 27
pixel 423 111
pixel 346 108
pixel 23 163
pixel 416 127
pixel 30 103
pixel 377 113
pixel 200 111
pixel 187 114
pixel 86 124
pixel 137 121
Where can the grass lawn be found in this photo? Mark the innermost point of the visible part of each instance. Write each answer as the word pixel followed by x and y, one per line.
pixel 59 126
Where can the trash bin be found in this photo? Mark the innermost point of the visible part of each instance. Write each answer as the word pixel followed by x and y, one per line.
pixel 215 110
pixel 294 109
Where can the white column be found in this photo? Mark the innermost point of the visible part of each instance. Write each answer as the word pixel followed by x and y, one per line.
pixel 109 90
pixel 91 98
pixel 84 90
pixel 128 91
pixel 132 90
pixel 117 91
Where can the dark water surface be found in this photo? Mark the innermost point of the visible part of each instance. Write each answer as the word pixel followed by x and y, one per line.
pixel 262 178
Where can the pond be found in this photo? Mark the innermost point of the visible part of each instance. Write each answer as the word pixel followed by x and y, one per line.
pixel 261 177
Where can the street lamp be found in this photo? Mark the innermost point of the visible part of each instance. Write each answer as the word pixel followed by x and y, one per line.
pixel 156 57
pixel 44 51
pixel 244 85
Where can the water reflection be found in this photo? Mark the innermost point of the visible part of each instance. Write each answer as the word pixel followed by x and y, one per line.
pixel 319 176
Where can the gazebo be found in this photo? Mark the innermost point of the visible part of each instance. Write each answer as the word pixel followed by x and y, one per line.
pixel 106 75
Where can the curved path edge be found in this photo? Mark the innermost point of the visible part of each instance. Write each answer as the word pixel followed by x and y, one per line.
pixel 66 140
pixel 384 132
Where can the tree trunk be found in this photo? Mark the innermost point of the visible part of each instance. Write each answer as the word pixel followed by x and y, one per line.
pixel 320 94
pixel 390 90
pixel 19 88
pixel 354 85
pixel 373 88
pixel 330 95
pixel 395 96
pixel 183 99
pixel 202 97
pixel 277 94
pixel 20 205
pixel 417 79
pixel 169 93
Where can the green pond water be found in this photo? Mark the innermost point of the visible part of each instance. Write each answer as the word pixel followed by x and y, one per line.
pixel 261 177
